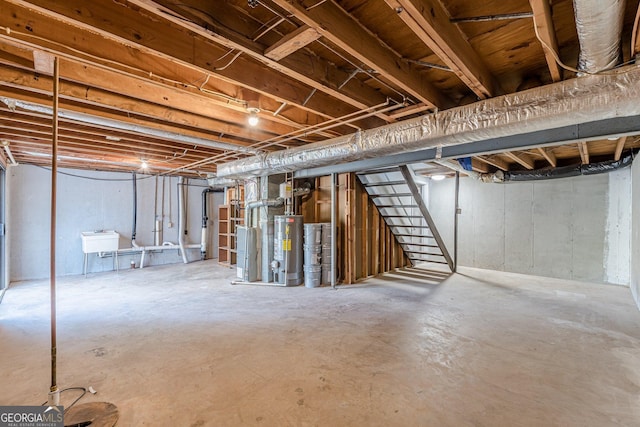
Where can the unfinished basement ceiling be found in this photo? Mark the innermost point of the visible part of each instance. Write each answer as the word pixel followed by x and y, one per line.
pixel 173 83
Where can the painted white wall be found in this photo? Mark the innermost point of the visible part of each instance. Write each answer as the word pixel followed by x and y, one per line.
pixel 635 232
pixel 570 228
pixel 101 201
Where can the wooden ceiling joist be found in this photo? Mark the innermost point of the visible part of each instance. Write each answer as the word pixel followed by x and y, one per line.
pixel 333 23
pixel 495 162
pixel 619 148
pixel 73 91
pixel 298 65
pixel 544 27
pixel 522 159
pixel 479 166
pixel 548 155
pixel 184 123
pixel 292 42
pixel 584 152
pixel 121 39
pixel 430 22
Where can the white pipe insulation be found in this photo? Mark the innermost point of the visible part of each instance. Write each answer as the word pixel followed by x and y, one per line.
pixel 599 25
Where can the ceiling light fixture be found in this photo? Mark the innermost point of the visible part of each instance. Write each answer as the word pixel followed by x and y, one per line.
pixel 253 116
pixel 437 177
pixel 144 165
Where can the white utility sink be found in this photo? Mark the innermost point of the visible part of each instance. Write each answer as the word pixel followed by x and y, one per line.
pixel 99 241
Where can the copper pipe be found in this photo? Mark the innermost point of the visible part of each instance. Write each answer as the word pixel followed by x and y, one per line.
pixel 54 184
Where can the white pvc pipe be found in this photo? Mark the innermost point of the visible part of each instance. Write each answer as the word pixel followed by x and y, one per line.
pixel 145 249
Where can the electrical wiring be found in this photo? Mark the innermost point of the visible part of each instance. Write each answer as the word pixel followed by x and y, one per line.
pixel 94 178
pixel 556 57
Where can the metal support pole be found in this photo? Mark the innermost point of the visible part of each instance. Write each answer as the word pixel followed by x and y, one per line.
pixel 455 224
pixel 54 395
pixel 334 225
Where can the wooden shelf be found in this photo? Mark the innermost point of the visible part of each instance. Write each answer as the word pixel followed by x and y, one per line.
pixel 229 217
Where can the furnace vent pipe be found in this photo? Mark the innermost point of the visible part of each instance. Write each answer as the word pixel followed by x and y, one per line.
pixel 567 103
pixel 599 25
pixel 250 206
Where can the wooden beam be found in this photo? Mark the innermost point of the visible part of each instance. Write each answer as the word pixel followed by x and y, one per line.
pixel 336 25
pixel 151 115
pixel 494 161
pixel 544 27
pixel 407 111
pixel 291 42
pixel 479 166
pixel 156 41
pixel 82 93
pixel 522 159
pixel 547 153
pixel 315 71
pixel 429 20
pixel 619 148
pixel 584 152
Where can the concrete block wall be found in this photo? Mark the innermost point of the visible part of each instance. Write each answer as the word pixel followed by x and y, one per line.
pixel 635 231
pixel 100 201
pixel 571 228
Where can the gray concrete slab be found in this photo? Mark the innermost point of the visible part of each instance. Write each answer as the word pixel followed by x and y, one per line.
pixel 178 346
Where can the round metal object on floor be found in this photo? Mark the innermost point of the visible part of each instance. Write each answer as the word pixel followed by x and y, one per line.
pixel 94 414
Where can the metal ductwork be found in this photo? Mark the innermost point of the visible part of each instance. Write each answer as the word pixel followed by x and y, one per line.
pixel 115 124
pixel 567 103
pixel 599 25
pixel 220 183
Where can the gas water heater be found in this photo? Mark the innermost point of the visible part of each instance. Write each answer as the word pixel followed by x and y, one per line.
pixel 287 250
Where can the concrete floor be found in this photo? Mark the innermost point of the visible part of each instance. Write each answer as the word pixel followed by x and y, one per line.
pixel 179 346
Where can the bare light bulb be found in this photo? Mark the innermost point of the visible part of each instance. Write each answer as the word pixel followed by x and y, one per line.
pixel 144 165
pixel 253 119
pixel 437 177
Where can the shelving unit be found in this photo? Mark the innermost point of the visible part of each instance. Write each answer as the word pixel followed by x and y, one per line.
pixel 229 217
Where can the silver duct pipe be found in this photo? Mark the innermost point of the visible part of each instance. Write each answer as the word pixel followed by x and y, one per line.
pixel 115 124
pixel 570 102
pixel 599 25
pixel 250 206
pixel 220 183
pixel 182 212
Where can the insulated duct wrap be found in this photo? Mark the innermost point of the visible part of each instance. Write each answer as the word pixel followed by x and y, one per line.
pixel 219 183
pixel 560 172
pixel 599 25
pixel 571 102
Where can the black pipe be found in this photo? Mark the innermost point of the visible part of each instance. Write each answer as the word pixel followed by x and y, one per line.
pixel 205 218
pixel 135 207
pixel 569 171
pixel 205 213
